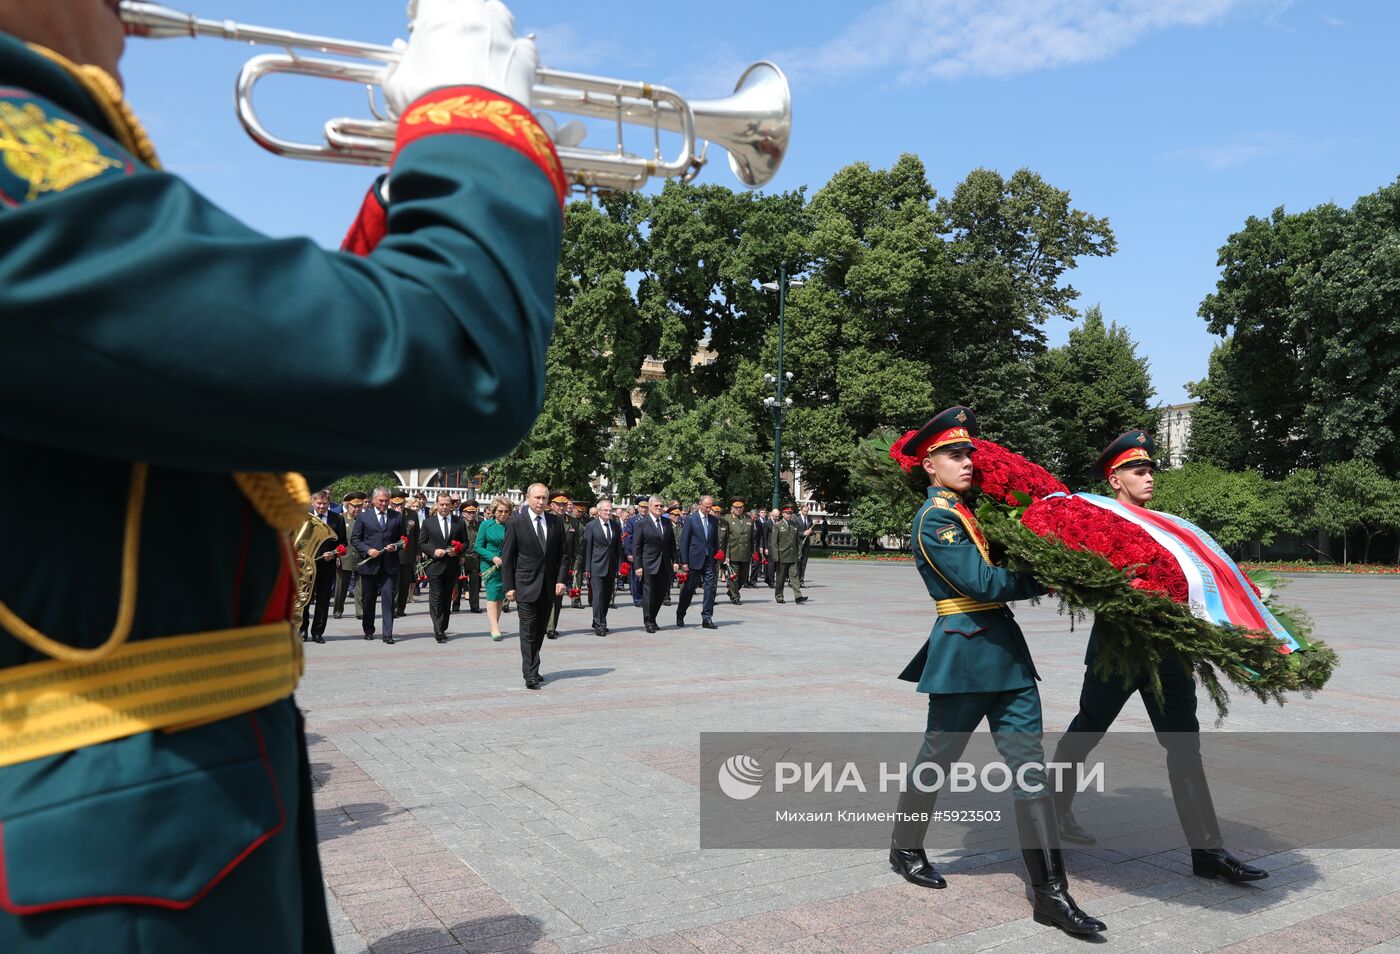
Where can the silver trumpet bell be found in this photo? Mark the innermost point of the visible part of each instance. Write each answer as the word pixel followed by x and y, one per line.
pixel 753 125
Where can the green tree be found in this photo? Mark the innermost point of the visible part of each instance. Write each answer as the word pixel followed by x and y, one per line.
pixel 362 482
pixel 1096 387
pixel 1234 507
pixel 1310 302
pixel 1357 496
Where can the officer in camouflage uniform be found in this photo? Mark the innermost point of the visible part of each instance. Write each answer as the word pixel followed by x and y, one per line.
pixel 975 666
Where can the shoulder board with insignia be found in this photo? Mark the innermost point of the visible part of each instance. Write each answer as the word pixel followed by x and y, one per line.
pixel 942 504
pixel 44 150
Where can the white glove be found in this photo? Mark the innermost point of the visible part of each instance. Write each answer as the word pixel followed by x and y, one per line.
pixel 569 134
pixel 461 43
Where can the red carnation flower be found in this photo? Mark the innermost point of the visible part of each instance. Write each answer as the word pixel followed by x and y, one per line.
pixel 625 569
pixel 907 463
pixel 340 550
pixel 573 592
pixel 1001 473
pixel 719 555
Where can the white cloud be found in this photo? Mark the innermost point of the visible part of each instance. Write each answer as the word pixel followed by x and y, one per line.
pixel 1239 151
pixel 564 46
pixel 921 40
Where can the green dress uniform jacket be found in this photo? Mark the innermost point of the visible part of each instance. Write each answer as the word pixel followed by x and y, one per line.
pixel 736 539
pixel 979 651
pixel 787 542
pixel 471 560
pixel 116 279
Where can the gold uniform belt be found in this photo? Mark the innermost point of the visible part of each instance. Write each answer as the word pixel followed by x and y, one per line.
pixel 167 683
pixel 964 604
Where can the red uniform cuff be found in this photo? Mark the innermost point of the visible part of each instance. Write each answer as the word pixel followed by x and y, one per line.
pixel 478 111
pixel 369 226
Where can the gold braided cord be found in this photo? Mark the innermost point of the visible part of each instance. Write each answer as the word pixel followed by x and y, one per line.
pixel 126 602
pixel 106 92
pixel 280 499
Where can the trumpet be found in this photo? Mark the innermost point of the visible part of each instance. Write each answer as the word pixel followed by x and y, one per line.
pixel 752 125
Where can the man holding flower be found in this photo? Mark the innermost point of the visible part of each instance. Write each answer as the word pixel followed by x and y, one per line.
pixel 442 539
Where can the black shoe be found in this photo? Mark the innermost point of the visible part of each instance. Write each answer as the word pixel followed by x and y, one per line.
pixel 305 638
pixel 605 631
pixel 1218 863
pixel 1071 831
pixel 666 602
pixel 358 616
pixel 369 635
pixel 779 601
pixel 914 867
pixel 708 624
pixel 533 684
pixel 389 640
pixel 477 609
pixel 552 634
pixel 400 614
pixel 653 629
pixel 336 615
pixel 680 621
pixel 441 639
pixel 456 607
pixel 801 600
pixel 318 639
pixel 1045 869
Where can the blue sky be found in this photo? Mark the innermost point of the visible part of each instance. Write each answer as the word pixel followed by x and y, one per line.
pixel 1174 118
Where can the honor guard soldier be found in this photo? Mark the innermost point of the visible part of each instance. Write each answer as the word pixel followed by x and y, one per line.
pixel 408 556
pixel 350 506
pixel 1127 465
pixel 471 560
pixel 155 791
pixel 786 550
pixel 975 665
pixel 561 505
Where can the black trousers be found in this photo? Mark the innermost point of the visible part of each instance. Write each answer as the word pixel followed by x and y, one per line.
pixel 802 560
pixel 600 592
pixel 655 586
pixel 440 600
pixel 533 616
pixel 317 611
pixel 1178 731
pixel 406 579
pixel 768 569
pixel 377 588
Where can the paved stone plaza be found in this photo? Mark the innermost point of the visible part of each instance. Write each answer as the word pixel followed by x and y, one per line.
pixel 460 812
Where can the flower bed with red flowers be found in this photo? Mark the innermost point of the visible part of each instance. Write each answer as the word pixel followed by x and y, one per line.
pixel 1380 569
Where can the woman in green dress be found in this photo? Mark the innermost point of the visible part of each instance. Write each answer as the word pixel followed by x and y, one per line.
pixel 488 546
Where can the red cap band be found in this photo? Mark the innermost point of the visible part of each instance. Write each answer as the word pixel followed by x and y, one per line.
pixel 1127 457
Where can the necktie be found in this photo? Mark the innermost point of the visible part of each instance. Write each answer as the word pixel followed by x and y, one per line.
pixel 381 520
pixel 607 532
pixel 539 529
pixel 445 532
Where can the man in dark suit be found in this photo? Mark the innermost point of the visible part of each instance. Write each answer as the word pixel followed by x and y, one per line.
pixel 763 540
pixel 533 573
pixel 654 544
pixel 316 611
pixel 377 538
pixel 436 537
pixel 601 551
pixel 699 541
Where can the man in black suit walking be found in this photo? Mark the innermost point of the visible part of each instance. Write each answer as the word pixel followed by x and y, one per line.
pixel 699 541
pixel 316 611
pixel 377 538
pixel 533 573
pixel 654 543
pixel 437 535
pixel 601 553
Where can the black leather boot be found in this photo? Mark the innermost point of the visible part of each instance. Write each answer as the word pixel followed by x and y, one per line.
pixel 1070 829
pixel 913 866
pixel 1035 820
pixel 1196 809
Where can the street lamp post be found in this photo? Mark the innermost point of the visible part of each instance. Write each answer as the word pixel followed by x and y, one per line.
pixel 777 404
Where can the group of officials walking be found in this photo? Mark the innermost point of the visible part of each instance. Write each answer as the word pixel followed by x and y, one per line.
pixel 383 546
